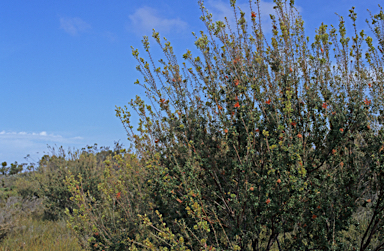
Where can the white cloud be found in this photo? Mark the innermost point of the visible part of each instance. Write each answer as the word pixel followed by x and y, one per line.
pixel 146 18
pixel 14 146
pixel 73 25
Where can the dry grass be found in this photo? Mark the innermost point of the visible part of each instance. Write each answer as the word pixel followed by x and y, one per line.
pixel 39 235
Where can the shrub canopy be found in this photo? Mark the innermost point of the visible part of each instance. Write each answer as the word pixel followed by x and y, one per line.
pixel 262 145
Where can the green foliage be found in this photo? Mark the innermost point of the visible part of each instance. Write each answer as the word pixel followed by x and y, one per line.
pixel 15 168
pixel 273 146
pixel 110 221
pixel 4 169
pixel 12 170
pixel 54 169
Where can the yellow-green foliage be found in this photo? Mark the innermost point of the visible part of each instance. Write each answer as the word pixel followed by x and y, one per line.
pixel 110 221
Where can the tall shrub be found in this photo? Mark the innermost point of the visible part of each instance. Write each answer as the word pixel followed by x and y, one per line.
pixel 262 145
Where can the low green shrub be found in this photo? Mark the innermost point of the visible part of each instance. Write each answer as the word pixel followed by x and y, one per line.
pixel 110 221
pixel 48 181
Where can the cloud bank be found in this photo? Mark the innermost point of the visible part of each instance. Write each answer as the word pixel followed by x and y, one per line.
pixel 16 145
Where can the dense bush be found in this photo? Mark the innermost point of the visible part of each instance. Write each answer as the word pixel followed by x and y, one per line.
pixel 48 180
pixel 108 222
pixel 263 146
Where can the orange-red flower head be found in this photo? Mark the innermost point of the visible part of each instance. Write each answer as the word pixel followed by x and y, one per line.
pixel 118 195
pixel 268 201
pixel 299 135
pixel 236 82
pixel 226 130
pixel 341 130
pixel 268 101
pixel 324 105
pixel 253 14
pixel 237 105
pixel 367 102
pixel 279 181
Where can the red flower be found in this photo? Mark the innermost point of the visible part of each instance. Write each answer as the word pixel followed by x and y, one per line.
pixel 236 82
pixel 226 130
pixel 324 105
pixel 290 69
pixel 293 123
pixel 370 85
pixel 367 102
pixel 180 201
pixel 279 181
pixel 322 50
pixel 237 105
pixel 268 201
pixel 156 141
pixel 369 200
pixel 253 14
pixel 333 151
pixel 341 164
pixel 219 107
pixel 251 189
pixel 299 135
pixel 118 195
pixel 314 216
pixel 341 130
pixel 268 101
pixel 257 130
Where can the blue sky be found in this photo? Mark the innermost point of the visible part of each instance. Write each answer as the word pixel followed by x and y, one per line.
pixel 64 65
